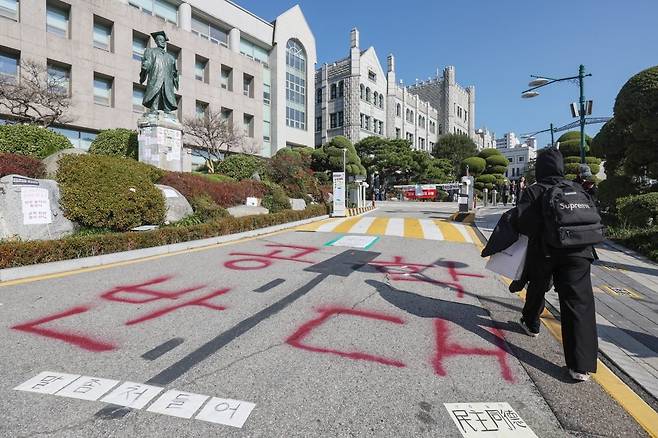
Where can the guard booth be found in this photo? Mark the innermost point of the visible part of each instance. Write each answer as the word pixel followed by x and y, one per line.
pixel 466 193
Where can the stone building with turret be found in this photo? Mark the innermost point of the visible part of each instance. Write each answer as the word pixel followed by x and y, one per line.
pixel 355 97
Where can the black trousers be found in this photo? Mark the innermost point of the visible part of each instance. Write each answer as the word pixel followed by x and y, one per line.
pixel 573 283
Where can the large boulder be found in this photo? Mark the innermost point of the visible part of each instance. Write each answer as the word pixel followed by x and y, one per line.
pixel 29 209
pixel 176 204
pixel 50 162
pixel 297 204
pixel 246 210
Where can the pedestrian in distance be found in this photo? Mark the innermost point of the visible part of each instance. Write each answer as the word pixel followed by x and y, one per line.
pixel 562 225
pixel 584 178
pixel 505 193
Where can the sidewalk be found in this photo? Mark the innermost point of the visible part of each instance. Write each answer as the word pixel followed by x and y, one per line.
pixel 626 294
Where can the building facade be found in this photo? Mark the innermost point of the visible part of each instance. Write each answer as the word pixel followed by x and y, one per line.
pixel 519 154
pixel 254 72
pixel 356 98
pixel 485 139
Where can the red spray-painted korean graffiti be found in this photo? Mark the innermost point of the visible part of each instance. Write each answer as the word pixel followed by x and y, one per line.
pixel 250 261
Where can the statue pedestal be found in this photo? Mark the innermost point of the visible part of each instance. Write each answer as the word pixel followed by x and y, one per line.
pixel 161 142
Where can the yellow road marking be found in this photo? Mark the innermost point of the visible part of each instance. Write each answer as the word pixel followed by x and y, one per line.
pixel 313 226
pixel 345 226
pixel 474 236
pixel 378 226
pixel 413 229
pixel 450 232
pixel 131 262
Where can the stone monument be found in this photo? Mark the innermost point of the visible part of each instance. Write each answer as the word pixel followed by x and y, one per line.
pixel 160 131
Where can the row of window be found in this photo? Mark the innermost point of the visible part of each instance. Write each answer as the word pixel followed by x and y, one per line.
pixel 336 120
pixel 377 126
pixel 375 98
pixel 460 112
pixel 521 159
pixel 295 85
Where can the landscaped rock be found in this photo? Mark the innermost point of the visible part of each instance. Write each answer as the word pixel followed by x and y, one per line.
pixel 29 209
pixel 297 204
pixel 176 204
pixel 245 210
pixel 50 162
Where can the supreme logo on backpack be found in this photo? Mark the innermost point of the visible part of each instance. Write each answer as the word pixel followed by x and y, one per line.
pixel 571 218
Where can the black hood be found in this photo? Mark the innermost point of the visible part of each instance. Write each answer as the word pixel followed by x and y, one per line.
pixel 550 164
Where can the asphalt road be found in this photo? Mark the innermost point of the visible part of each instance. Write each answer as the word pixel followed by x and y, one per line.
pixel 293 335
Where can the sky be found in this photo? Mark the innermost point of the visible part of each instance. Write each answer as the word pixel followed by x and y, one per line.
pixel 496 45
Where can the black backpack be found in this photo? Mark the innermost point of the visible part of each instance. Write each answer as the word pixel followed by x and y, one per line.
pixel 571 218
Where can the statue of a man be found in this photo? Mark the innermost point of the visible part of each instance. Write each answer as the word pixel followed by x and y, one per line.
pixel 160 68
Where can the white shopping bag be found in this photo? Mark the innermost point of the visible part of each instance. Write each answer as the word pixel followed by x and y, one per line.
pixel 510 262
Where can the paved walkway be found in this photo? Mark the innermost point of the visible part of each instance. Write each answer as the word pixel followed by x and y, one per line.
pixel 626 294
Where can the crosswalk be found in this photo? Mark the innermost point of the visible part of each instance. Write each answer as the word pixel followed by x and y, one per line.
pixel 390 226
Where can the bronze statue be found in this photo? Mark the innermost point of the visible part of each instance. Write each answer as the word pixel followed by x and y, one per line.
pixel 160 68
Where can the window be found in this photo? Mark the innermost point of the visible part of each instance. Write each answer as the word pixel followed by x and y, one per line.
pixel 175 52
pixel 140 42
pixel 102 34
pixel 201 109
pixel 372 76
pixel 318 96
pixel 363 92
pixel 295 85
pixel 201 69
pixel 138 98
pixel 79 139
pixel 59 77
pixel 397 132
pixel 367 94
pixel 375 98
pixel 367 123
pixel 267 130
pixel 318 124
pixel 248 125
pixel 362 120
pixel 227 115
pixel 267 94
pixel 9 9
pixel 209 31
pixel 252 51
pixel 226 80
pixel 159 8
pixel 333 120
pixel 381 101
pixel 341 89
pixel 381 127
pixel 520 159
pixel 248 85
pixel 440 129
pixel 103 89
pixel 341 118
pixel 334 91
pixel 9 65
pixel 57 18
pixel 398 110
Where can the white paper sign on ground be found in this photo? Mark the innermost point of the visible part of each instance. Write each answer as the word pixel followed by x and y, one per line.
pixel 354 241
pixel 88 388
pixel 169 193
pixel 494 420
pixel 36 206
pixel 132 395
pixel 226 411
pixel 47 382
pixel 178 403
pixel 252 202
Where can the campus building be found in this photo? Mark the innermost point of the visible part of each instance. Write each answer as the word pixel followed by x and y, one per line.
pixel 519 154
pixel 253 71
pixel 356 98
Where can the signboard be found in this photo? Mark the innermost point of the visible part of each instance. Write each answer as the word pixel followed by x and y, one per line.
pixel 493 420
pixel 35 205
pixel 252 202
pixel 23 181
pixel 339 194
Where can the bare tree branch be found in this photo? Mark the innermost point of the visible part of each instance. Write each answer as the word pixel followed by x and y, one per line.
pixel 36 97
pixel 210 136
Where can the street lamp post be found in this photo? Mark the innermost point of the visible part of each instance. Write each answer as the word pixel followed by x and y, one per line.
pixel 541 81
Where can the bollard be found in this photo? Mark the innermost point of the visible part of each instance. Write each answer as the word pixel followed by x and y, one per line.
pixel 493 197
pixel 485 198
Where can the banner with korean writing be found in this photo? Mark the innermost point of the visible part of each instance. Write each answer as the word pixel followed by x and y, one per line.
pixel 35 205
pixel 339 194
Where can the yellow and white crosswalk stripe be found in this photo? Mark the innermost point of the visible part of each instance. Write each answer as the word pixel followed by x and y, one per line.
pixel 389 226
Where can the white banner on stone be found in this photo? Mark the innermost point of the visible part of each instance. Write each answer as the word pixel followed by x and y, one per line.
pixel 494 420
pixel 35 205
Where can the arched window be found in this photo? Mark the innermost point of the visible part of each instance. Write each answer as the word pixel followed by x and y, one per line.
pixel 363 92
pixel 341 88
pixel 368 94
pixel 381 101
pixel 398 110
pixel 295 85
pixel 375 98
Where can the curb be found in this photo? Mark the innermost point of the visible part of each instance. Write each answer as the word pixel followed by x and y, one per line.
pixel 358 211
pixel 23 272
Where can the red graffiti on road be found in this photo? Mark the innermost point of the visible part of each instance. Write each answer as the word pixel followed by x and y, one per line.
pixel 400 270
pixel 446 349
pixel 297 338
pixel 251 261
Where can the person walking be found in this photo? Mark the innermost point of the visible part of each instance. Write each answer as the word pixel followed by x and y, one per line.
pixel 505 193
pixel 567 264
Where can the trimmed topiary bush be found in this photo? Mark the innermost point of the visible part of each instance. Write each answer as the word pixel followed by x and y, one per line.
pixel 489 152
pixel 476 165
pixel 31 140
pixel 118 142
pixel 108 192
pixel 276 199
pixel 207 209
pixel 640 210
pixel 241 166
pixel 21 165
pixel 217 177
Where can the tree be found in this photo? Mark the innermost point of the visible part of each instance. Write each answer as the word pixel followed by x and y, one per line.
pixel 455 148
pixel 334 157
pixel 212 136
pixel 610 144
pixel 37 97
pixel 476 165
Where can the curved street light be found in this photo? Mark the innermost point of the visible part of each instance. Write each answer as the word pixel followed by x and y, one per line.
pixel 538 82
pixel 529 94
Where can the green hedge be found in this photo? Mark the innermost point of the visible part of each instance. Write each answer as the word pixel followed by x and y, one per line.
pixel 639 210
pixel 118 142
pixel 109 192
pixel 643 240
pixel 241 166
pixel 14 254
pixel 276 199
pixel 31 140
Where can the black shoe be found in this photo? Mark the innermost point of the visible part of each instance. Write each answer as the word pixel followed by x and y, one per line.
pixel 516 286
pixel 526 328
